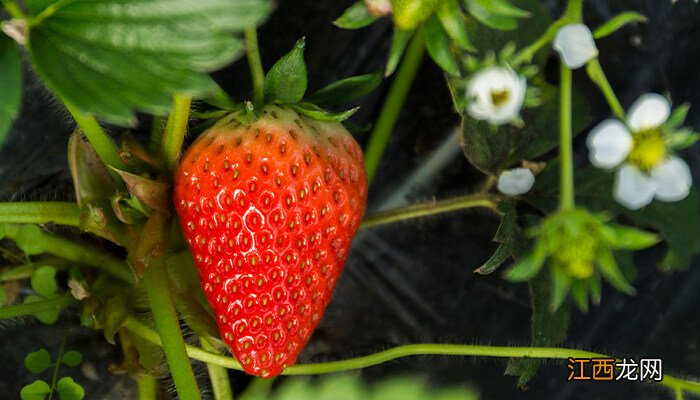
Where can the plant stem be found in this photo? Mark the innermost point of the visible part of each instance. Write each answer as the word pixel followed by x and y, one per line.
pixel 566 152
pixel 595 72
pixel 430 208
pixel 220 384
pixel 100 141
pixel 147 387
pixel 61 213
pixel 393 104
pixel 525 55
pixel 175 131
pixel 156 282
pixel 258 388
pixel 405 351
pixel 13 9
pixel 81 254
pixel 57 365
pixel 52 304
pixel 256 69
pixel 574 10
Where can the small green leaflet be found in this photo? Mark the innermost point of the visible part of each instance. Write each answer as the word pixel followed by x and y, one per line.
pixel 319 114
pixel 36 390
pixel 68 389
pixel 287 79
pixel 112 59
pixel 10 84
pixel 355 17
pixel 38 361
pixel 438 45
pixel 398 46
pixel 44 281
pixel 452 19
pixel 72 358
pixel 346 90
pixel 618 22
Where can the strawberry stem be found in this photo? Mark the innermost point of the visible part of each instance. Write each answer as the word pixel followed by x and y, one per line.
pixel 256 69
pixel 405 351
pixel 147 387
pixel 175 131
pixel 220 384
pixel 430 208
pixel 565 147
pixel 389 114
pixel 61 213
pixel 52 304
pixel 595 72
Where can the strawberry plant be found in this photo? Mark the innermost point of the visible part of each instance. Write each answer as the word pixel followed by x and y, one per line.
pixel 225 247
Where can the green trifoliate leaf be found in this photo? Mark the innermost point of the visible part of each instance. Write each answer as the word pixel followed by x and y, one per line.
pixel 44 281
pixel 488 18
pixel 286 81
pixel 628 238
pixel 319 114
pixel 30 239
pixel 10 84
pixel 113 59
pixel 346 90
pixel 68 389
pixel 438 46
pixel 355 17
pixel 38 361
pixel 609 269
pixel 45 317
pixel 36 390
pixel 618 22
pixel 529 266
pixel 409 14
pixel 72 358
pixel 398 46
pixel 452 19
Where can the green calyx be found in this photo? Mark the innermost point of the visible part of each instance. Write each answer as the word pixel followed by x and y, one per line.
pixel 579 248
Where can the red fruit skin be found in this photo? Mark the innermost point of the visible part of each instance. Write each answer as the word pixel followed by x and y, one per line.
pixel 269 211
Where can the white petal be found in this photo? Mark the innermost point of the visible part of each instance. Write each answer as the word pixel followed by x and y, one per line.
pixel 609 144
pixel 575 45
pixel 648 112
pixel 633 189
pixel 672 178
pixel 516 181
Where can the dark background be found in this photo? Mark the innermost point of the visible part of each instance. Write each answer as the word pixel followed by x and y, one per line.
pixel 413 282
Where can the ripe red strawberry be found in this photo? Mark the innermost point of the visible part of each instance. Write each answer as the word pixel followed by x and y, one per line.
pixel 269 211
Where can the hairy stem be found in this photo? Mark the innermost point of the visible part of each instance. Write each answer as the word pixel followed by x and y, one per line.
pixel 595 72
pixel 220 384
pixel 52 304
pixel 175 131
pixel 100 141
pixel 61 213
pixel 256 69
pixel 431 208
pixel 566 152
pixel 155 280
pixel 405 351
pixel 147 387
pixel 57 365
pixel 389 114
pixel 81 254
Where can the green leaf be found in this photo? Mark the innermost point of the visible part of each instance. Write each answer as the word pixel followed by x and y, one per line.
pixel 346 90
pixel 319 114
pixel 36 390
pixel 399 41
pixel 72 358
pixel 68 389
pixel 409 14
pixel 628 238
pixel 286 81
pixel 611 272
pixel 30 239
pixel 617 22
pixel 503 8
pixel 530 265
pixel 452 20
pixel 10 84
pixel 90 177
pixel 438 46
pixel 44 281
pixel 511 239
pixel 488 18
pixel 355 17
pixel 111 60
pixel 548 328
pixel 114 317
pixel 45 317
pixel 38 361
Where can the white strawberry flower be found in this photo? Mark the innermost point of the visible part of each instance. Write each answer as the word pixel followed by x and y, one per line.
pixel 646 169
pixel 516 181
pixel 496 95
pixel 575 45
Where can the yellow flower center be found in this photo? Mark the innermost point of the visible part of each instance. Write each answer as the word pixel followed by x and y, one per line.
pixel 648 150
pixel 498 98
pixel 576 245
